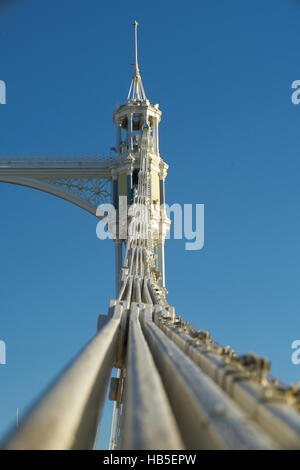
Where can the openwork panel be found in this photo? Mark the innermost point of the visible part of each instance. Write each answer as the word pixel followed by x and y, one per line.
pixel 94 190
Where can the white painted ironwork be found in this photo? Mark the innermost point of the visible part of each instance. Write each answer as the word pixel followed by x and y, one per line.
pixel 67 415
pixel 85 182
pixel 176 387
pixel 244 379
pixel 136 90
pixel 145 399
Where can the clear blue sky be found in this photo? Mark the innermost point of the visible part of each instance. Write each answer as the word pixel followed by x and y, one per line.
pixel 222 74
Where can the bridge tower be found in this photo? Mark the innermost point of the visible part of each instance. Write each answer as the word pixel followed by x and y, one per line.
pixel 129 120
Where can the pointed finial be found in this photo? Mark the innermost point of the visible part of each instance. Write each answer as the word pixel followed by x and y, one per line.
pixel 136 67
pixel 136 90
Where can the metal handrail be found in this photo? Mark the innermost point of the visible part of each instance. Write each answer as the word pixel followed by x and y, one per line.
pixel 67 415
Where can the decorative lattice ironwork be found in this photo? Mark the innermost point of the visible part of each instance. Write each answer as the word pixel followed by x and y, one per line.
pixel 94 190
pixel 57 159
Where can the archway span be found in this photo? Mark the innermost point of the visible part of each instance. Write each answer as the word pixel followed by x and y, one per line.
pixel 87 202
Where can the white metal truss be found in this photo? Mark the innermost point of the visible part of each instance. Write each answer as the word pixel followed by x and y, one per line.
pixel 84 181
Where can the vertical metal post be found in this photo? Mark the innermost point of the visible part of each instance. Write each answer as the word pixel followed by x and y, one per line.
pixel 161 243
pixel 130 132
pixel 118 128
pixel 156 136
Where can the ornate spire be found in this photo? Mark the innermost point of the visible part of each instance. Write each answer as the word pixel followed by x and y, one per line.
pixel 136 90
